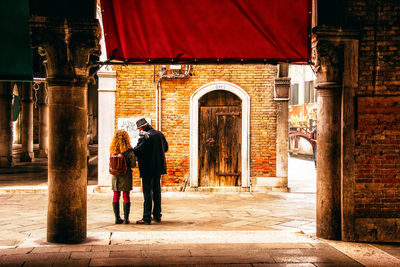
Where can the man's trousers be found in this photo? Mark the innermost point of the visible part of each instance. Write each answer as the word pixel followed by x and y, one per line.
pixel 151 193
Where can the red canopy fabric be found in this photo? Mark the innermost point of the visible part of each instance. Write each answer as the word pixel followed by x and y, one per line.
pixel 207 31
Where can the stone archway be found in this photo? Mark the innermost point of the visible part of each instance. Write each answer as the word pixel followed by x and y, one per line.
pixel 194 129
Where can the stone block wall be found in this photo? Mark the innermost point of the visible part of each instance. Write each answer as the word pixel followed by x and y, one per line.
pixel 136 97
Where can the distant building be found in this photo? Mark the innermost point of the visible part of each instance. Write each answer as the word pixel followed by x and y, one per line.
pixel 219 120
pixel 302 107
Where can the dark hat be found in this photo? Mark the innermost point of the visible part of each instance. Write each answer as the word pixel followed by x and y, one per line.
pixel 141 123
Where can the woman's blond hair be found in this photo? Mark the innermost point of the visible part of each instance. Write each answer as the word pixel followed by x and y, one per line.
pixel 120 142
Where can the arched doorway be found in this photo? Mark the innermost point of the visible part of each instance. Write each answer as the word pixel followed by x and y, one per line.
pixel 220 128
pixel 219 152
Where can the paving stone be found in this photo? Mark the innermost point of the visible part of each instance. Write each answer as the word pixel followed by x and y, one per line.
pixel 118 247
pixel 227 252
pixel 224 265
pixel 301 259
pixel 13 251
pixel 37 256
pixel 126 254
pixel 166 253
pixel 302 252
pixel 285 245
pixel 10 264
pixel 71 262
pixel 365 253
pixel 89 254
pixel 13 235
pixel 391 248
pixel 38 263
pixel 8 243
pixel 236 223
pixel 71 248
pixel 34 259
pixel 11 260
pixel 284 265
pixel 46 249
pixel 120 262
pixel 211 260
pixel 337 264
pixel 7 226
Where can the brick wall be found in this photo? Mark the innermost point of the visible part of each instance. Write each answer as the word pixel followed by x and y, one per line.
pixel 377 151
pixel 136 96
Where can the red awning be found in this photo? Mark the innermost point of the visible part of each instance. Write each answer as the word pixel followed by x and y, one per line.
pixel 207 31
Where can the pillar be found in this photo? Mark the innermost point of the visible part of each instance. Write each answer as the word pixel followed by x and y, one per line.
pixel 107 90
pixel 328 161
pixel 27 123
pixel 68 44
pixel 43 122
pixel 5 125
pixel 282 85
pixel 328 58
pixel 17 123
pixel 17 130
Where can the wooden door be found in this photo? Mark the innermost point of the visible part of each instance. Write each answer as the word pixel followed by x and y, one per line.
pixel 220 142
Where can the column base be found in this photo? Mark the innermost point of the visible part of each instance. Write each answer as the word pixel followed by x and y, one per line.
pixel 42 153
pixel 26 156
pixel 6 162
pixel 65 239
pixel 271 184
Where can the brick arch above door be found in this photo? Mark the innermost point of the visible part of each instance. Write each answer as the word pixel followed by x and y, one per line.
pixel 194 129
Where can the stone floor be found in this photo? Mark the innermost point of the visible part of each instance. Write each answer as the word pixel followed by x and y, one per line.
pixel 197 228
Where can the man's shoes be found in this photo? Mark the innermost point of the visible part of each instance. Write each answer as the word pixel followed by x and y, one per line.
pixel 143 222
pixel 156 219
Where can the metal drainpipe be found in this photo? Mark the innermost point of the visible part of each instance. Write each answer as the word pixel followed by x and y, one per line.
pixel 163 74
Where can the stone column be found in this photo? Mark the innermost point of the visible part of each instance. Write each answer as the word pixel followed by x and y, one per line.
pixel 328 58
pixel 282 85
pixel 328 161
pixel 5 125
pixel 68 44
pixel 17 131
pixel 43 122
pixel 27 122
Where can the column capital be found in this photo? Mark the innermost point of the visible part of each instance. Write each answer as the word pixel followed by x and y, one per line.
pixel 327 57
pixel 69 45
pixel 281 90
pixel 328 53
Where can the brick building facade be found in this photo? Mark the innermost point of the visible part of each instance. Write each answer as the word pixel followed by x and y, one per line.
pixel 377 131
pixel 136 97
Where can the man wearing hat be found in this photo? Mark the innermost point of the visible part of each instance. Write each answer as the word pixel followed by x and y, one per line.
pixel 150 152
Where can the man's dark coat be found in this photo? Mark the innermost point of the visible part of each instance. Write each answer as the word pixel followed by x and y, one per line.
pixel 150 152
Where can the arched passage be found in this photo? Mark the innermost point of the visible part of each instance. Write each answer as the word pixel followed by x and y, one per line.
pixel 194 129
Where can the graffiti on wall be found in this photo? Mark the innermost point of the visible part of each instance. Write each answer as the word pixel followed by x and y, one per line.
pixel 129 125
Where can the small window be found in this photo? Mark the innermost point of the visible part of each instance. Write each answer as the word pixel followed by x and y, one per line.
pixel 294 94
pixel 307 92
pixel 314 92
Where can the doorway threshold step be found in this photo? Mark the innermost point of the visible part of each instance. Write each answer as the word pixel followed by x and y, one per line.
pixel 218 189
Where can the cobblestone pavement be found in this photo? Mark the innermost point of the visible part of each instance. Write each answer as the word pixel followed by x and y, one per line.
pixel 197 229
pixel 24 215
